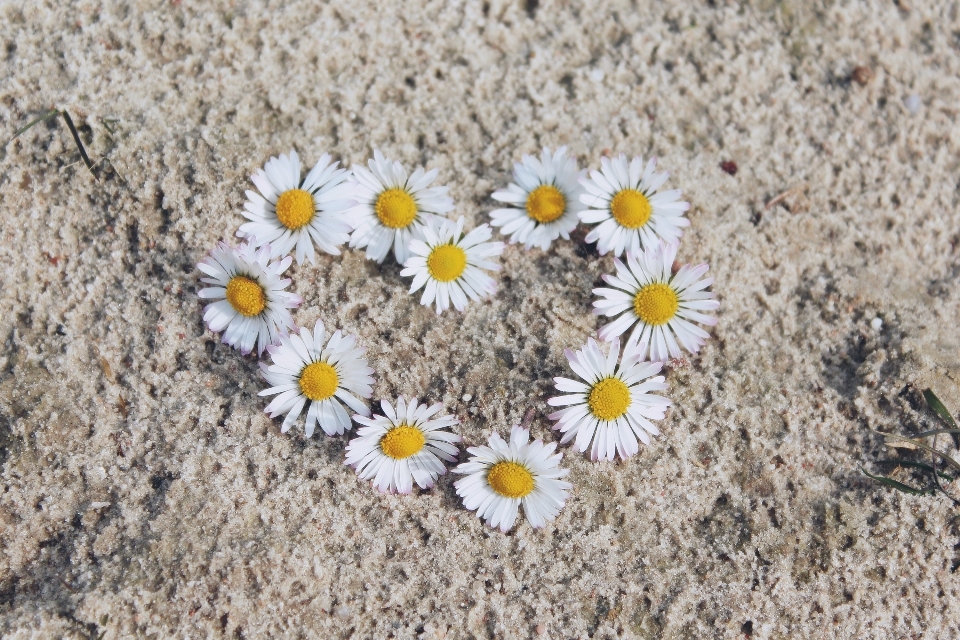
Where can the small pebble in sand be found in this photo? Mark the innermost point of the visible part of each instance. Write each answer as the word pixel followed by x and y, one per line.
pixel 467 397
pixel 597 75
pixel 861 75
pixel 343 611
pixel 913 103
pixel 876 323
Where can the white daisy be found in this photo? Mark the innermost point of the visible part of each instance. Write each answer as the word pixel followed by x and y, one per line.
pixel 663 305
pixel 251 303
pixel 623 198
pixel 392 208
pixel 546 198
pixel 290 212
pixel 304 370
pixel 403 445
pixel 450 264
pixel 501 477
pixel 614 408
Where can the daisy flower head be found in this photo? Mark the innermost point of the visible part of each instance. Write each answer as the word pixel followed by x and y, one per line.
pixel 402 446
pixel 309 369
pixel 392 208
pixel 503 476
pixel 623 198
pixel 448 264
pixel 250 305
pixel 660 306
pixel 543 201
pixel 290 213
pixel 612 407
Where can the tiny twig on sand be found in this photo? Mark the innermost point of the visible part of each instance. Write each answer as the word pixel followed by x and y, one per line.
pixel 528 417
pixel 786 194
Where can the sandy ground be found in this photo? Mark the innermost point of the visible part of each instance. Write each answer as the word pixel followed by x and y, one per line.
pixel 145 493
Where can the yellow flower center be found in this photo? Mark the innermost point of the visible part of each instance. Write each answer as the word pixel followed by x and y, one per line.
pixel 295 208
pixel 656 303
pixel 446 262
pixel 246 296
pixel 319 381
pixel 396 208
pixel 546 203
pixel 609 399
pixel 402 442
pixel 631 208
pixel 510 479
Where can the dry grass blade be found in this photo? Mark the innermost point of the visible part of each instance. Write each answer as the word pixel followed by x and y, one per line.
pixel 106 124
pixel 916 465
pixel 899 486
pixel 900 445
pixel 953 463
pixel 49 114
pixel 936 478
pixel 934 403
pixel 938 408
pixel 915 442
pixel 115 170
pixel 933 432
pixel 76 138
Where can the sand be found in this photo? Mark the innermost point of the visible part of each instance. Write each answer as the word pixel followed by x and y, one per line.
pixel 146 494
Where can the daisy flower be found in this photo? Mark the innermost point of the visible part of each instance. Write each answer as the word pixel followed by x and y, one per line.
pixel 251 303
pixel 393 208
pixel 544 200
pixel 450 264
pixel 623 198
pixel 501 477
pixel 403 446
pixel 293 213
pixel 613 406
pixel 304 370
pixel 662 305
